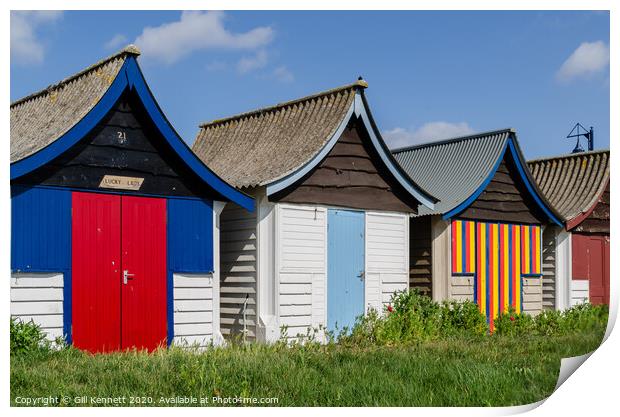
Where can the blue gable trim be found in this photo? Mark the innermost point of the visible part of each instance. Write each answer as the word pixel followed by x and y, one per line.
pixel 130 77
pixel 526 178
pixel 521 169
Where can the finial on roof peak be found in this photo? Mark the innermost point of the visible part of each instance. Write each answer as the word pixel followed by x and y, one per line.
pixel 131 49
pixel 361 82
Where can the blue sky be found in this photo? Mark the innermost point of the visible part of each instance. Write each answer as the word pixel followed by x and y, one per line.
pixel 431 74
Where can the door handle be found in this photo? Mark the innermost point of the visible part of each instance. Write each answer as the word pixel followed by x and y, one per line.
pixel 126 276
pixel 361 275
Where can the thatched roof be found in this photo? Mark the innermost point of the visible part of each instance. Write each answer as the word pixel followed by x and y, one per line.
pixel 40 118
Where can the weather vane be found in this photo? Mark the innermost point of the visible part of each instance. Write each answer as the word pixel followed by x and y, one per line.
pixel 580 131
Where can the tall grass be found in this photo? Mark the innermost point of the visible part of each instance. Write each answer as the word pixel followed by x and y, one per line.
pixel 420 354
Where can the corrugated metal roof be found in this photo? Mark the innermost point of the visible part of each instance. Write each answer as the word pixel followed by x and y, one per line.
pixel 572 183
pixel 453 169
pixel 261 146
pixel 40 118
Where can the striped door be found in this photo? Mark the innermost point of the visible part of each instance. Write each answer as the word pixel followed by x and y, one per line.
pixel 499 256
pixel 114 238
pixel 345 268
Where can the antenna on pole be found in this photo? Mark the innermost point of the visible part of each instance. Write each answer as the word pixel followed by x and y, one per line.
pixel 579 131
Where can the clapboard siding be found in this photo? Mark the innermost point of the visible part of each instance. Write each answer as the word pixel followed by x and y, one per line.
pixel 532 297
pixel 193 309
pixel 579 292
pixel 238 271
pixel 387 257
pixel 351 175
pixel 504 199
pixel 549 270
pixel 420 255
pixel 301 267
pixel 39 297
pixel 462 288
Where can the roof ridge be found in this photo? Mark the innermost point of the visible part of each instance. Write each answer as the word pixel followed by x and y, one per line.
pixel 360 83
pixel 567 155
pixel 128 50
pixel 454 139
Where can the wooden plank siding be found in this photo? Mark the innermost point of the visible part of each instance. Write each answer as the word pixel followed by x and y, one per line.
pixel 39 297
pixel 301 254
pixel 532 295
pixel 386 257
pixel 549 268
pixel 597 221
pixel 351 175
pixel 238 271
pixel 505 199
pixel 420 255
pixel 193 309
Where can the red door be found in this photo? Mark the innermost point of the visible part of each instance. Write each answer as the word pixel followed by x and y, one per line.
pixel 96 258
pixel 591 262
pixel 119 272
pixel 143 292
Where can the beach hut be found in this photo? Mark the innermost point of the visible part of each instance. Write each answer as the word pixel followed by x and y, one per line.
pixel 577 185
pixel 330 236
pixel 483 240
pixel 114 221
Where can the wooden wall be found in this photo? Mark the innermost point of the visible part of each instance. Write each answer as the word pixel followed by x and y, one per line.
pixel 598 220
pixel 39 297
pixel 549 268
pixel 193 309
pixel 352 175
pixel 420 255
pixel 238 271
pixel 124 143
pixel 301 259
pixel 387 257
pixel 505 199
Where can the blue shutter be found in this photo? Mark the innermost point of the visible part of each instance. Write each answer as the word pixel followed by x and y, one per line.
pixel 190 235
pixel 40 229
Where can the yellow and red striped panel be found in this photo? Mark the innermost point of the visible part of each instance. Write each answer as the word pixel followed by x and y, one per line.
pixel 499 255
pixel 531 250
pixel 463 247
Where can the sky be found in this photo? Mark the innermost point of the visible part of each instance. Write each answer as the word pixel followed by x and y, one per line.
pixel 431 75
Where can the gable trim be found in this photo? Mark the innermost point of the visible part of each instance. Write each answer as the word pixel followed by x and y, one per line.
pixel 525 178
pixel 130 77
pixel 359 109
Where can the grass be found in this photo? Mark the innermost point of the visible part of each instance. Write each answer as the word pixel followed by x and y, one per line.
pixel 456 371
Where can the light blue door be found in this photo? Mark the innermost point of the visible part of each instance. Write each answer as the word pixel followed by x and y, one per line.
pixel 345 268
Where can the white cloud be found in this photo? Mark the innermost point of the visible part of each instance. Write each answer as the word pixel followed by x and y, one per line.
pixel 194 31
pixel 116 41
pixel 247 64
pixel 428 132
pixel 26 47
pixel 589 58
pixel 283 74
